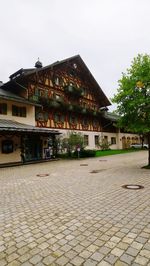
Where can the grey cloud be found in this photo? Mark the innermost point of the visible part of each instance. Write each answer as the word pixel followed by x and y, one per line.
pixel 106 33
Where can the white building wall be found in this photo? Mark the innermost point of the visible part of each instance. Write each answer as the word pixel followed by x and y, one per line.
pixel 15 155
pixel 92 134
pixel 128 135
pixel 29 120
pixel 30 113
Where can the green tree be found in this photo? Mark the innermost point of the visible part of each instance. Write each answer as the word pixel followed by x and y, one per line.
pixel 133 97
pixel 104 144
pixel 72 141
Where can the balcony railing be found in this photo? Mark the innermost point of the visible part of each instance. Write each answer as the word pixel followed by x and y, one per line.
pixel 34 98
pixel 73 91
pixel 61 103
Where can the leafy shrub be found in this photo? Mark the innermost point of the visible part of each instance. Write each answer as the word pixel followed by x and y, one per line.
pixel 84 153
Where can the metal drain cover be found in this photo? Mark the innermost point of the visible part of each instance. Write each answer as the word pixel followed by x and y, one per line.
pixel 97 171
pixel 84 164
pixel 131 186
pixel 42 175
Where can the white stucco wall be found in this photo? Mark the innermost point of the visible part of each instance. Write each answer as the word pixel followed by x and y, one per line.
pixel 15 155
pixel 92 134
pixel 29 120
pixel 30 113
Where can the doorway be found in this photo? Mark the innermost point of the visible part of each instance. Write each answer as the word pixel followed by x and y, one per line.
pixel 33 148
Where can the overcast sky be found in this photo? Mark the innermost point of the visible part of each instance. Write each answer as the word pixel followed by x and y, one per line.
pixel 107 34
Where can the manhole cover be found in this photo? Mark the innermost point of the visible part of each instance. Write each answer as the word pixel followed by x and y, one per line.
pixel 132 186
pixel 96 171
pixel 42 175
pixel 84 164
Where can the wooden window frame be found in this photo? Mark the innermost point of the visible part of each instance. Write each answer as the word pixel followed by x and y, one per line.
pixel 86 140
pixel 3 108
pixel 113 140
pixel 96 139
pixel 20 111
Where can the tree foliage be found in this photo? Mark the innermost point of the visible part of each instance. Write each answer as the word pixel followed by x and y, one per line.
pixel 72 141
pixel 133 96
pixel 103 144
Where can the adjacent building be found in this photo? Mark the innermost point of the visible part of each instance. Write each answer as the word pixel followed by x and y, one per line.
pixel 20 140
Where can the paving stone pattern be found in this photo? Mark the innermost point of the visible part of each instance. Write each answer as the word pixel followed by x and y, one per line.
pixel 73 216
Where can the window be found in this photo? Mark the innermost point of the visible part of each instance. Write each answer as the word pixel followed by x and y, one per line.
pixel 96 140
pixel 106 139
pixel 7 146
pixel 57 81
pixel 3 108
pixel 86 140
pixel 18 111
pixel 37 92
pixel 84 105
pixel 57 97
pixel 113 140
pixel 46 93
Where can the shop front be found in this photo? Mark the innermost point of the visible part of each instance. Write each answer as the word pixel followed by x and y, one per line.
pixel 25 143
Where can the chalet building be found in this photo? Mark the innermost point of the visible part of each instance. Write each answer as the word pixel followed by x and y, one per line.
pixel 57 98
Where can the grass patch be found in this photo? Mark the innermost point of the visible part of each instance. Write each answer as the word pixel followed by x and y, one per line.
pixel 94 153
pixel 113 152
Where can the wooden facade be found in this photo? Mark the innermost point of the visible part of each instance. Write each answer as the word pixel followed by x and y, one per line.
pixel 68 93
pixel 67 97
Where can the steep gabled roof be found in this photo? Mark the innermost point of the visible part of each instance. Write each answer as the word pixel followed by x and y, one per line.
pixel 22 73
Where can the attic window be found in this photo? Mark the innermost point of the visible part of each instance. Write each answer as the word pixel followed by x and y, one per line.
pixel 72 73
pixel 75 66
pixel 57 81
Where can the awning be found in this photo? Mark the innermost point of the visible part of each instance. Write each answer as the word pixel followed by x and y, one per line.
pixel 13 126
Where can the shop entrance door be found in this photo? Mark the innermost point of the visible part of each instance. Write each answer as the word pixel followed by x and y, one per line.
pixel 33 148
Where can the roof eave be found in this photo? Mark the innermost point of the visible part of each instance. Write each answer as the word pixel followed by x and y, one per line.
pixel 20 101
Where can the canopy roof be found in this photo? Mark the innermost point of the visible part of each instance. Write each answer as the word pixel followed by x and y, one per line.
pixel 13 126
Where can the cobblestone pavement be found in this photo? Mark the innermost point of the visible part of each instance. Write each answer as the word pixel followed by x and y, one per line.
pixel 78 214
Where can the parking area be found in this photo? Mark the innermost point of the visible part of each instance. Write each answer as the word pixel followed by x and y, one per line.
pixel 76 212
